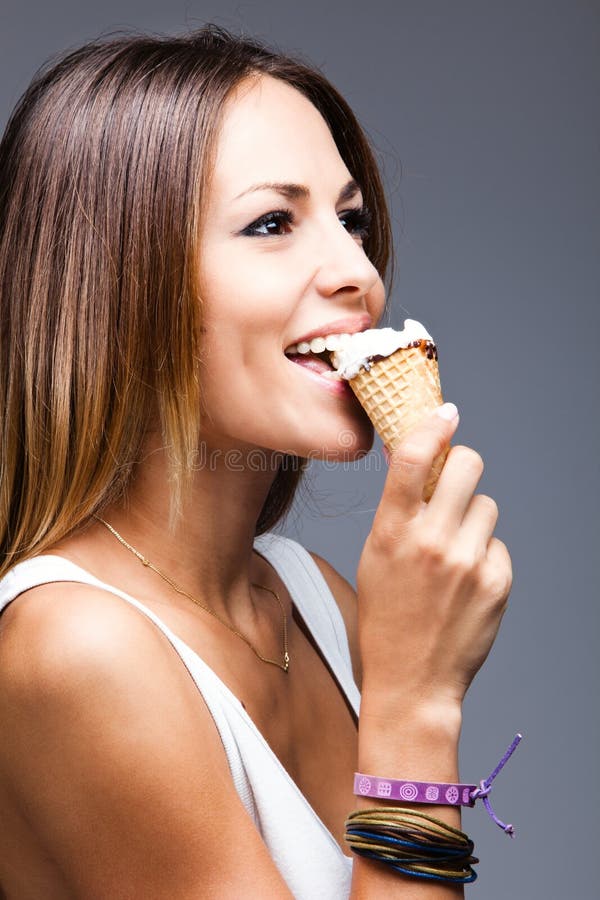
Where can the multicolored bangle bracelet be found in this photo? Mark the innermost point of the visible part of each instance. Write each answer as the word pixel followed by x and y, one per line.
pixel 412 843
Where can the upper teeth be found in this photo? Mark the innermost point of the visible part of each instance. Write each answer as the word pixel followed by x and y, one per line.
pixel 319 344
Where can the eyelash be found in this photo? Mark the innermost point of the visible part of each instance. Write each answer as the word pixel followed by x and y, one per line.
pixel 358 219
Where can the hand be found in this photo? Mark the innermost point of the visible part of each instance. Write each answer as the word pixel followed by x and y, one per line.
pixel 432 580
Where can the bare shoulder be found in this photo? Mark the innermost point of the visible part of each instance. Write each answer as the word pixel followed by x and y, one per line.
pixel 109 747
pixel 345 596
pixel 55 636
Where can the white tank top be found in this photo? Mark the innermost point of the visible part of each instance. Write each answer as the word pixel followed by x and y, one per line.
pixel 302 847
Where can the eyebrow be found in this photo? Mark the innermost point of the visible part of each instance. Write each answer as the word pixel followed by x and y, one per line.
pixel 299 191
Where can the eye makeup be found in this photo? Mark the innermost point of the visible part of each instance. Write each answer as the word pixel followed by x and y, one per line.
pixel 280 221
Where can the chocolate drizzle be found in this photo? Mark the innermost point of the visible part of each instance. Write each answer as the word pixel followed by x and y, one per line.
pixel 427 347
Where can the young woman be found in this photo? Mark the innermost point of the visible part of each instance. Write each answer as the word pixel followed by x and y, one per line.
pixel 174 214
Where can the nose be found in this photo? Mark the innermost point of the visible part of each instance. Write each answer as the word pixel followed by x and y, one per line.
pixel 344 269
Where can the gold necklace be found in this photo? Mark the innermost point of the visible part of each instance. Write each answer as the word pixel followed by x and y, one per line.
pixel 146 562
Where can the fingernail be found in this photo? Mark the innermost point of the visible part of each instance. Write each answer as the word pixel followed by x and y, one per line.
pixel 447 411
pixel 386 453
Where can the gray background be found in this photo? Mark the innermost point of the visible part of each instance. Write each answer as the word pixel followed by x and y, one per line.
pixel 486 119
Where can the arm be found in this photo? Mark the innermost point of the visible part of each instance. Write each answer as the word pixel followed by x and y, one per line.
pixel 382 744
pixel 114 758
pixel 433 584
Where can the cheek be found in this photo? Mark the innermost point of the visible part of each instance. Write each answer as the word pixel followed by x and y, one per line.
pixel 376 301
pixel 241 347
pixel 229 376
pixel 242 296
pixel 248 296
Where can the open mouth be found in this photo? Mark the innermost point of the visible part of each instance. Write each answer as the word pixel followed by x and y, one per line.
pixel 316 354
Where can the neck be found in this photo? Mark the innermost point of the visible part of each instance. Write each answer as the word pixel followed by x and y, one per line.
pixel 209 551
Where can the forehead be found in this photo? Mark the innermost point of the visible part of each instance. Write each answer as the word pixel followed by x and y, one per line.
pixel 272 132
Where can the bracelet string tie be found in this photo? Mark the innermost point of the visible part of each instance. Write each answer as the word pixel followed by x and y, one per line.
pixel 485 786
pixel 441 793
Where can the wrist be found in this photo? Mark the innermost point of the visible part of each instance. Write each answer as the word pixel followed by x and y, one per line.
pixel 387 710
pixel 415 742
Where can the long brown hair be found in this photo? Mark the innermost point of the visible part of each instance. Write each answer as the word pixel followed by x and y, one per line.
pixel 103 167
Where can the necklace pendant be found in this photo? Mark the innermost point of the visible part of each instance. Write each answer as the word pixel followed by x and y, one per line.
pixel 286 661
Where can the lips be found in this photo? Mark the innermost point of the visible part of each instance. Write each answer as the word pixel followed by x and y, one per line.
pixel 322 373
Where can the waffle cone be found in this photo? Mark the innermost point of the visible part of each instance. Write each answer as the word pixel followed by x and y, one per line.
pixel 398 392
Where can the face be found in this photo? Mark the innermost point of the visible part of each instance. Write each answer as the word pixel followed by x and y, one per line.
pixel 281 259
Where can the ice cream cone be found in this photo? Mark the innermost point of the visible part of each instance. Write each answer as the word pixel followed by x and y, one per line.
pixel 398 392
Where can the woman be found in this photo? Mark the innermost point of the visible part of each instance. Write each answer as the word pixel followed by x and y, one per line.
pixel 175 214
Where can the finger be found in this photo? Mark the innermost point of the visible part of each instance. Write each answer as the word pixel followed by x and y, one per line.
pixel 479 523
pixel 454 491
pixel 499 569
pixel 410 464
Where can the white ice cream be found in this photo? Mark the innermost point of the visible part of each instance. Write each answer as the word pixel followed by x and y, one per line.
pixel 357 350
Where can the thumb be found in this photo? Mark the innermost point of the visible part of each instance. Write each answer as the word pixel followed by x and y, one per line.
pixel 410 463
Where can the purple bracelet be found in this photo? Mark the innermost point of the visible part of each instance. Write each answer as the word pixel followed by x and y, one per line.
pixel 441 793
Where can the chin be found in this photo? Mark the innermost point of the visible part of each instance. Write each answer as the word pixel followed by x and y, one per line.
pixel 346 445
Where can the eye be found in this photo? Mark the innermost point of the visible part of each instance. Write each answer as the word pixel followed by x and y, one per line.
pixel 357 222
pixel 276 222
